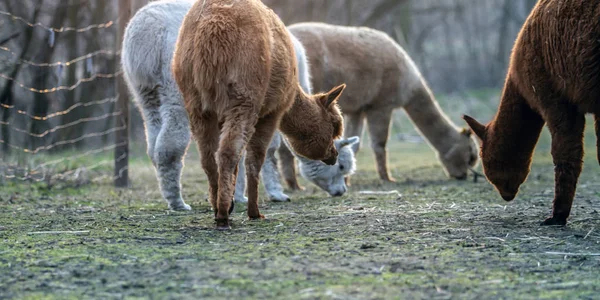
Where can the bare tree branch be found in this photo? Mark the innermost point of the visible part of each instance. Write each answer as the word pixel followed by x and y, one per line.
pixel 9 38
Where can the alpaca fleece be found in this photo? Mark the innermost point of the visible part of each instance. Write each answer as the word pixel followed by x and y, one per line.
pixel 148 48
pixel 235 66
pixel 553 79
pixel 381 77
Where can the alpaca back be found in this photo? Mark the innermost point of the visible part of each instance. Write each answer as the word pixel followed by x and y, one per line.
pixel 368 60
pixel 569 65
pixel 149 43
pixel 243 51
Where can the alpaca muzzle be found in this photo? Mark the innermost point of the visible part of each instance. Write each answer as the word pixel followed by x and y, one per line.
pixel 508 197
pixel 461 176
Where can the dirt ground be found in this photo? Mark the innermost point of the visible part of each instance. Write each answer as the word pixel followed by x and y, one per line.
pixel 439 239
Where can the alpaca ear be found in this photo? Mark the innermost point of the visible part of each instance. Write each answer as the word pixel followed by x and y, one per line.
pixel 466 132
pixel 478 128
pixel 333 95
pixel 347 142
pixel 353 140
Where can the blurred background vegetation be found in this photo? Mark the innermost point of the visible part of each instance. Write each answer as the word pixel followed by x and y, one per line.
pixel 462 48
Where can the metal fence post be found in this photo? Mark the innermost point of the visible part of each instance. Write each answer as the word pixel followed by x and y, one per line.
pixel 122 136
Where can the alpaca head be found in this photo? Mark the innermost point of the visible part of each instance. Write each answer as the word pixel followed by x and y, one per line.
pixel 502 168
pixel 331 178
pixel 461 157
pixel 327 125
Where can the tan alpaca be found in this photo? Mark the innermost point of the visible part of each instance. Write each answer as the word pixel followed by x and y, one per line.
pixel 380 77
pixel 235 65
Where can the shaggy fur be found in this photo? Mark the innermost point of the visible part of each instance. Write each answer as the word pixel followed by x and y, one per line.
pixel 234 63
pixel 381 77
pixel 148 47
pixel 329 178
pixel 553 78
pixel 151 34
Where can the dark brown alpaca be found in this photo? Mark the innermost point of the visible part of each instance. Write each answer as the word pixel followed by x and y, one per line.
pixel 553 78
pixel 235 65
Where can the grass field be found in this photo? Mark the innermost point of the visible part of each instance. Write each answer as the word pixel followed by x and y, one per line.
pixel 440 239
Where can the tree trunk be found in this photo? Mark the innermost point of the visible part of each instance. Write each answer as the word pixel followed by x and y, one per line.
pixel 404 27
pixel 41 80
pixel 6 96
pixel 73 51
pixel 501 54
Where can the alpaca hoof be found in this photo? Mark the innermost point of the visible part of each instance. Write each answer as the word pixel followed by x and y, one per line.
pixel 389 179
pixel 179 206
pixel 554 221
pixel 279 198
pixel 241 200
pixel 259 217
pixel 223 224
pixel 347 181
pixel 231 207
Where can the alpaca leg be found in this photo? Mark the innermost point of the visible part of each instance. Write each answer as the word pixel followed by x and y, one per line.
pixel 353 127
pixel 288 167
pixel 235 132
pixel 255 157
pixel 240 183
pixel 379 130
pixel 270 174
pixel 171 146
pixel 205 127
pixel 166 155
pixel 149 103
pixel 567 153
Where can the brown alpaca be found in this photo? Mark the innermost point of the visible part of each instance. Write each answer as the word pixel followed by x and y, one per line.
pixel 382 78
pixel 235 65
pixel 553 78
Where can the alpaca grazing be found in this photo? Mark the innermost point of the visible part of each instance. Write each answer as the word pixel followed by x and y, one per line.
pixel 331 179
pixel 380 77
pixel 235 65
pixel 151 34
pixel 553 78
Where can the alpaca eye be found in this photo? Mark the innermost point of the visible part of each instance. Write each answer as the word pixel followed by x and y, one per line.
pixel 341 167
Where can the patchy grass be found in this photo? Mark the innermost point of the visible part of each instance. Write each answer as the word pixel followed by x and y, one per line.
pixel 441 239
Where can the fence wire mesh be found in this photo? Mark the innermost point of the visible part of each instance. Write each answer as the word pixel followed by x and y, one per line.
pixel 58 99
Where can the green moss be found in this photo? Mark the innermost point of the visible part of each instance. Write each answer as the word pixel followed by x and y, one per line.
pixel 442 238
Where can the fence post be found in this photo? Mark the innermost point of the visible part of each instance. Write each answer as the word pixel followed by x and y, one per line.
pixel 137 4
pixel 122 136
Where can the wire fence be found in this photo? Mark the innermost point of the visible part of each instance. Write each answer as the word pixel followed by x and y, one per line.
pixel 61 120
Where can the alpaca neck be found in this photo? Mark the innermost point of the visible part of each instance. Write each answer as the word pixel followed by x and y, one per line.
pixel 516 127
pixel 297 120
pixel 431 122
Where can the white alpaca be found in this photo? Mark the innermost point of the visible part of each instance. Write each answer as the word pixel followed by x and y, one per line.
pixel 148 46
pixel 329 178
pixel 147 53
